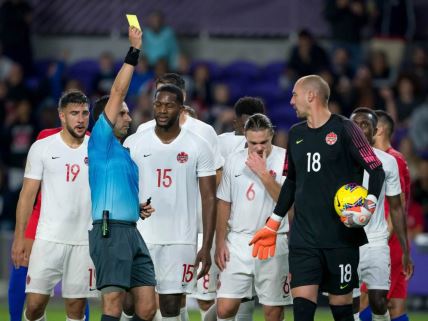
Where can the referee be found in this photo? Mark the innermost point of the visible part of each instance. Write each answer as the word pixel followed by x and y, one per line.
pixel 324 153
pixel 120 256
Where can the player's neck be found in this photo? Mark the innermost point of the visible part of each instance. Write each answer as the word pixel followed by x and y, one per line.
pixel 167 135
pixel 70 140
pixel 183 118
pixel 382 144
pixel 318 118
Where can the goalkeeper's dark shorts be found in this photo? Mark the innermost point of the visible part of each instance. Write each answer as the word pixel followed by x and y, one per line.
pixel 334 270
pixel 122 259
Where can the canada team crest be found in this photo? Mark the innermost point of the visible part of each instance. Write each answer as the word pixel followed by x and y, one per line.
pixel 182 157
pixel 331 138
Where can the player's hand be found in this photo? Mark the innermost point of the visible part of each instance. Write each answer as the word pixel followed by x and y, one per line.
pixel 264 240
pixel 18 251
pixel 146 210
pixel 203 257
pixel 359 216
pixel 408 267
pixel 135 37
pixel 256 163
pixel 222 255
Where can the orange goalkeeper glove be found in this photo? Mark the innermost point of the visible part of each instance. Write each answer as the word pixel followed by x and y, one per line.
pixel 265 239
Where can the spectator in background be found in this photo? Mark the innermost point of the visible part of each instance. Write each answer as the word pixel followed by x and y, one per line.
pixel 5 65
pixel 382 73
pixel 103 80
pixel 16 86
pixel 159 41
pixel 15 19
pixel 306 58
pixel 141 77
pixel 364 93
pixel 418 128
pixel 341 64
pixel 347 18
pixel 3 94
pixel 418 65
pixel 142 112
pixel 202 90
pixel 8 200
pixel 184 70
pixel 405 100
pixel 221 114
pixel 420 189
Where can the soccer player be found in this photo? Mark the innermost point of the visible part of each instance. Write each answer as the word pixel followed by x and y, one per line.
pixel 324 153
pixel 248 191
pixel 375 260
pixel 171 161
pixel 234 141
pixel 59 165
pixel 121 257
pixel 205 287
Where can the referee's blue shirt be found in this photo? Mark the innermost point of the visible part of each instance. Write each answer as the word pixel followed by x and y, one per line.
pixel 113 175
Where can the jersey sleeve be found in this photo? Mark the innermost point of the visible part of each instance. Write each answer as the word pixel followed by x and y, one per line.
pixel 392 178
pixel 286 195
pixel 205 165
pixel 224 190
pixel 218 158
pixel 34 166
pixel 363 154
pixel 102 134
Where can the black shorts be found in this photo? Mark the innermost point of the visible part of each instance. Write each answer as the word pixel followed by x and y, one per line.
pixel 122 259
pixel 334 270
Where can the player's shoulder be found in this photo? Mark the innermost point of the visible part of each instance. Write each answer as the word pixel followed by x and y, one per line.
pixel 237 157
pixel 201 128
pixel 46 141
pixel 226 135
pixel 149 124
pixel 397 155
pixel 48 132
pixel 388 161
pixel 277 150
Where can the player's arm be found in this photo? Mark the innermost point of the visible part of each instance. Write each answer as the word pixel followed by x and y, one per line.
pixel 363 154
pixel 207 185
pixel 24 208
pixel 121 83
pixel 222 254
pixel 258 165
pixel 400 227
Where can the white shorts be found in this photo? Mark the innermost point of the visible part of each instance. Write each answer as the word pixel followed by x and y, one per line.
pixel 205 288
pixel 52 262
pixel 174 267
pixel 268 277
pixel 375 266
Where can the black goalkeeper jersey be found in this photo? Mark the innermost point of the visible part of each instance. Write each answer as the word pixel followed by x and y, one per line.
pixel 319 161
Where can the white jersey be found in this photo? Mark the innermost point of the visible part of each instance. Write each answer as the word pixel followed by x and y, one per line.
pixel 230 143
pixel 168 173
pixel 377 228
pixel 251 202
pixel 65 214
pixel 200 128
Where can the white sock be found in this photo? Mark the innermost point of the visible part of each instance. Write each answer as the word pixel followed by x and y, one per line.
pixel 357 317
pixel 385 317
pixel 184 315
pixel 158 316
pixel 69 319
pixel 211 313
pixel 125 317
pixel 43 318
pixel 176 318
pixel 245 312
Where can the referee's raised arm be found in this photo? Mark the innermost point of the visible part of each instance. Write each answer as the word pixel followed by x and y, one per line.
pixel 121 83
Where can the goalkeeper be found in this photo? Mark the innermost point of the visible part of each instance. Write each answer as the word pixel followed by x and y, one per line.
pixel 324 153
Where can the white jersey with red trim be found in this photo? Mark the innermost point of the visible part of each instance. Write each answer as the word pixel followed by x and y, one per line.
pixel 251 202
pixel 168 173
pixel 65 214
pixel 230 143
pixel 377 228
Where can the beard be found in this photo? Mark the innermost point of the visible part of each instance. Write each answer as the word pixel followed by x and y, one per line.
pixel 168 124
pixel 73 133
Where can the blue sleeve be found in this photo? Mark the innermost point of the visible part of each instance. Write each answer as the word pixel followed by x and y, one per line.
pixel 102 135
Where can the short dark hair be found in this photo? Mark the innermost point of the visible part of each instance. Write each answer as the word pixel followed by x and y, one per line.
pixel 386 118
pixel 249 106
pixel 99 106
pixel 173 90
pixel 171 79
pixel 368 111
pixel 72 97
pixel 258 122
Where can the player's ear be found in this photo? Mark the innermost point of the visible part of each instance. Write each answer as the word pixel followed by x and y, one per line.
pixel 310 95
pixel 375 131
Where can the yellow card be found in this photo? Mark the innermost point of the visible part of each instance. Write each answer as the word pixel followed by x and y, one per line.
pixel 133 21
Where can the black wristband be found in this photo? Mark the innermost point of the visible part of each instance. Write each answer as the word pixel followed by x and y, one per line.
pixel 132 56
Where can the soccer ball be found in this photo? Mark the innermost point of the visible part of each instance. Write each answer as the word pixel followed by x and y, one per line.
pixel 349 195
